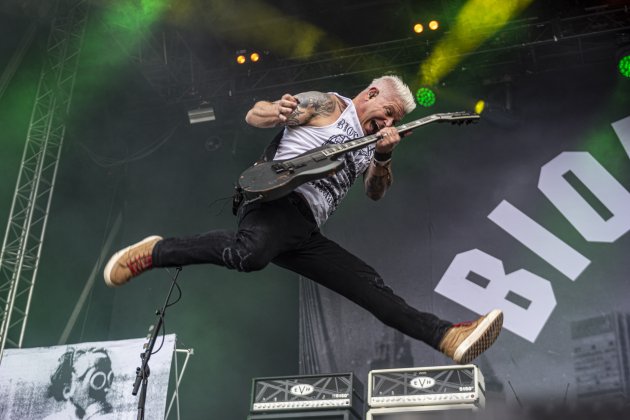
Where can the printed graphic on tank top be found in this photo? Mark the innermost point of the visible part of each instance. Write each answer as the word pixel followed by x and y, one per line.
pixel 324 195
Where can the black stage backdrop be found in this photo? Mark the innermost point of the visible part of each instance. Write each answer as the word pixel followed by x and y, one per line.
pixel 130 157
pixel 526 211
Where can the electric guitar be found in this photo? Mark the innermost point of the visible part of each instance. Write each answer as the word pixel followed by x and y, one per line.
pixel 271 180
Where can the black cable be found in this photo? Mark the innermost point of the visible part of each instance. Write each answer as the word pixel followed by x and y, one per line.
pixel 163 335
pixel 179 290
pixel 225 201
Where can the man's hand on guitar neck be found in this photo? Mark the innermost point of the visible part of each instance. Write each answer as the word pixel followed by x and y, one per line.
pixel 389 139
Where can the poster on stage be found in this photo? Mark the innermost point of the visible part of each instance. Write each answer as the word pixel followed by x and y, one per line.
pixel 83 381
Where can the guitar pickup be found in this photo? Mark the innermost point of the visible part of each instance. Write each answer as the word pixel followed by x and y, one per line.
pixel 280 167
pixel 286 166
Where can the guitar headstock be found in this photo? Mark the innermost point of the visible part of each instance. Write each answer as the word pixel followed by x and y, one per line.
pixel 459 118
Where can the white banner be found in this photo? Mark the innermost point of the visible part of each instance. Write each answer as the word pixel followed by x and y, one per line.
pixel 82 381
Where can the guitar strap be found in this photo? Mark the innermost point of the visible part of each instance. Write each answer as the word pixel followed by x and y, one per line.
pixel 268 154
pixel 271 149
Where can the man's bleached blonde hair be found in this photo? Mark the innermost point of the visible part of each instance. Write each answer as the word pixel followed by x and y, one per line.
pixel 400 89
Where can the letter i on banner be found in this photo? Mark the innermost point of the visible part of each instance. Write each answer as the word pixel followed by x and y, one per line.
pixel 622 128
pixel 478 281
pixel 538 239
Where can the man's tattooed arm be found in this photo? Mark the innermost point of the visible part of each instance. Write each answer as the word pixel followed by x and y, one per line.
pixel 312 105
pixel 378 178
pixel 313 108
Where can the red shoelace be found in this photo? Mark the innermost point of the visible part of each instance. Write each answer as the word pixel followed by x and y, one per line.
pixel 463 324
pixel 139 264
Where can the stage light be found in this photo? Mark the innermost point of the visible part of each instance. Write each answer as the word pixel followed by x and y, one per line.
pixel 477 20
pixel 425 97
pixel 202 114
pixel 479 106
pixel 418 28
pixel 254 57
pixel 433 25
pixel 624 65
pixel 240 59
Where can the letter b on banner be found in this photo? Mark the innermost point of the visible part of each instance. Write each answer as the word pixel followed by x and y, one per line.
pixel 526 299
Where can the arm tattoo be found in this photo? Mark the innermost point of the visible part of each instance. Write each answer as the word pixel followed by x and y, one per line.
pixel 294 119
pixel 316 103
pixel 377 180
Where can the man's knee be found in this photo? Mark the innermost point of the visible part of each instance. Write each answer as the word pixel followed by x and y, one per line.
pixel 244 260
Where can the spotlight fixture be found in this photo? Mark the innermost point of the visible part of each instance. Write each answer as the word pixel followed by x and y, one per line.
pixel 202 114
pixel 425 97
pixel 480 106
pixel 419 27
pixel 213 143
pixel 248 56
pixel 624 66
pixel 623 60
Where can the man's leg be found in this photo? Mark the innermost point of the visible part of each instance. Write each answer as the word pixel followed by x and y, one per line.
pixel 330 265
pixel 264 231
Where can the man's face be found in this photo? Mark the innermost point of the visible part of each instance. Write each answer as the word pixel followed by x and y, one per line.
pixel 378 109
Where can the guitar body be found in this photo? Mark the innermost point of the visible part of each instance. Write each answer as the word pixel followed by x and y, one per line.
pixel 262 182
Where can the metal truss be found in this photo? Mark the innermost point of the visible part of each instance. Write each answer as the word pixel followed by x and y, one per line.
pixel 538 45
pixel 22 246
pixel 530 44
pixel 163 57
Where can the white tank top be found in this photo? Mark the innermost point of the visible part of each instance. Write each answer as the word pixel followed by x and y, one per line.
pixel 324 195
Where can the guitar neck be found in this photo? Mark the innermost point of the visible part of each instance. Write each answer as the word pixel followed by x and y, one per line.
pixel 332 151
pixel 339 149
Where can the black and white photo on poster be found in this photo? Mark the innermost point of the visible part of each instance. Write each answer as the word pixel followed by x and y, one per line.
pixel 86 381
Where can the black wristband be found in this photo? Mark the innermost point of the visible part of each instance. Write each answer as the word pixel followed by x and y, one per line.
pixel 382 157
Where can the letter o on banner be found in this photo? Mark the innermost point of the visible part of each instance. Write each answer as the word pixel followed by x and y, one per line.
pixel 575 208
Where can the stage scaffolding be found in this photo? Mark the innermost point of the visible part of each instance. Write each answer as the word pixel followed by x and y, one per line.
pixel 532 45
pixel 26 227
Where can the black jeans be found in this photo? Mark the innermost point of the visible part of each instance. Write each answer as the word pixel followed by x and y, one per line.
pixel 284 232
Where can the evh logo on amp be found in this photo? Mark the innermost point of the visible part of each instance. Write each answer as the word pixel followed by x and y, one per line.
pixel 301 390
pixel 422 382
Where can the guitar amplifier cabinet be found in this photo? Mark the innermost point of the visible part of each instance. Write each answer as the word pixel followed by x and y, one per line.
pixel 340 392
pixel 443 386
pixel 307 415
pixel 427 412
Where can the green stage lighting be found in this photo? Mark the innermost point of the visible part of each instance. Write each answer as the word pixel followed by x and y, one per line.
pixel 425 97
pixel 624 65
